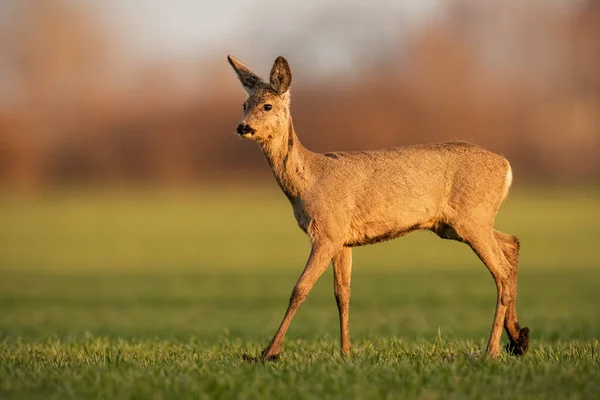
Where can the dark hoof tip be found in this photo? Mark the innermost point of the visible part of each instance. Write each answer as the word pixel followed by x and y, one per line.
pixel 249 358
pixel 519 347
pixel 272 358
pixel 253 359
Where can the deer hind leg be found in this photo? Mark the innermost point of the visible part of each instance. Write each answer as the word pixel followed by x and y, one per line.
pixel 518 337
pixel 342 270
pixel 483 243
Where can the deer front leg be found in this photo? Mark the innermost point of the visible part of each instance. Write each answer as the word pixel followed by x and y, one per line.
pixel 318 261
pixel 342 270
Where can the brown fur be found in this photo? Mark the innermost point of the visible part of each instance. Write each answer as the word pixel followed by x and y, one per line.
pixel 346 199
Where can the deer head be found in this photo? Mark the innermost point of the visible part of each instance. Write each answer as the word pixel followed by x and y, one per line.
pixel 267 109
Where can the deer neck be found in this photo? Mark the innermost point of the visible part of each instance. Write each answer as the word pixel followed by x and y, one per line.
pixel 290 162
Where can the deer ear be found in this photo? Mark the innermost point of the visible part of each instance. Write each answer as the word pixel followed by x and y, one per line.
pixel 248 78
pixel 281 76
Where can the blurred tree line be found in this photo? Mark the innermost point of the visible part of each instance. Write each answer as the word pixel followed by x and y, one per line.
pixel 521 78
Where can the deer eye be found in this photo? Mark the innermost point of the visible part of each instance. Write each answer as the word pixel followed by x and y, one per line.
pixel 244 106
pixel 267 107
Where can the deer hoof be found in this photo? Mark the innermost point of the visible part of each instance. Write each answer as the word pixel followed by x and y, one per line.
pixel 249 358
pixel 253 359
pixel 271 357
pixel 519 346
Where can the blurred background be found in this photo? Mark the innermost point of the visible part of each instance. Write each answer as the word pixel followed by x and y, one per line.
pixel 111 93
pixel 129 208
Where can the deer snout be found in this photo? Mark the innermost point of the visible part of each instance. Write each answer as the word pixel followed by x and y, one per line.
pixel 245 129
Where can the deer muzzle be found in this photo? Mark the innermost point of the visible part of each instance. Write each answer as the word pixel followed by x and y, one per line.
pixel 245 130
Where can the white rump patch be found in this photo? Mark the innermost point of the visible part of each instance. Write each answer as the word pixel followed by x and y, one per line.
pixel 508 182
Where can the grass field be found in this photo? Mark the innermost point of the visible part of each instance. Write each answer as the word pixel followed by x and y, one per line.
pixel 152 295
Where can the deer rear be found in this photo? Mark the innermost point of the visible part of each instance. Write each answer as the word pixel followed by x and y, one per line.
pixel 347 199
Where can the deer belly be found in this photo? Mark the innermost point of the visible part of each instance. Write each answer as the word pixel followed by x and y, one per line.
pixel 375 232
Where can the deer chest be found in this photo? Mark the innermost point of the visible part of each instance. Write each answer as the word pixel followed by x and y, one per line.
pixel 302 217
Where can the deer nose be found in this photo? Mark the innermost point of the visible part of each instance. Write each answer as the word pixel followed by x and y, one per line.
pixel 245 128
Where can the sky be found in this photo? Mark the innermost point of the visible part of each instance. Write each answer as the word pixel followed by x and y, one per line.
pixel 259 28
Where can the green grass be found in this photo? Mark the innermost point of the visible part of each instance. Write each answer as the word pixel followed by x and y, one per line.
pixel 151 295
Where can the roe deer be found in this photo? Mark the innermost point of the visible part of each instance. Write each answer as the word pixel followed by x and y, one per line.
pixel 347 199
